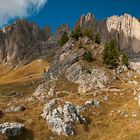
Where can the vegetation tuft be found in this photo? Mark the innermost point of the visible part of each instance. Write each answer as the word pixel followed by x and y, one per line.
pixel 113 57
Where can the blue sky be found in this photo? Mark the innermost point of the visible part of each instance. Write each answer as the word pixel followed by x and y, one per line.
pixel 56 12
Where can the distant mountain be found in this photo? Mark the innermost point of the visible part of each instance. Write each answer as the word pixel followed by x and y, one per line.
pixel 125 29
pixel 22 42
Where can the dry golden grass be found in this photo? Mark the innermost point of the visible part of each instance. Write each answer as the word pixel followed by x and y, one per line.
pixel 26 73
pixel 101 127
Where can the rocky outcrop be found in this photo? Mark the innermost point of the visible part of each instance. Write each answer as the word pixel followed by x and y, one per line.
pixel 46 90
pixel 69 62
pixel 63 59
pixel 11 129
pixel 86 21
pixel 61 116
pixel 87 79
pixel 126 30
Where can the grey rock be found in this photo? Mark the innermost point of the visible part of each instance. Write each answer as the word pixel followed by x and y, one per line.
pixel 134 114
pixel 105 98
pixel 11 129
pixel 138 99
pixel 31 99
pixel 93 102
pixel 21 42
pixel 80 109
pixel 89 103
pixel 95 79
pixel 61 118
pixel 10 109
pixel 120 69
pixel 52 92
pixel 41 90
pixel 130 74
pixel 63 59
pixel 19 108
pixel 132 82
pixel 96 103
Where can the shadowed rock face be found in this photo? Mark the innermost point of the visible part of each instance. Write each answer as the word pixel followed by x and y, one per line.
pixel 21 42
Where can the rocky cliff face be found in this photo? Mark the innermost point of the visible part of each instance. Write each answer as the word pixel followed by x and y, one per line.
pixel 86 21
pixel 69 63
pixel 126 30
pixel 21 42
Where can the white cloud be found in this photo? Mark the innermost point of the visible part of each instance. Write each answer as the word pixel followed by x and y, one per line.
pixel 10 9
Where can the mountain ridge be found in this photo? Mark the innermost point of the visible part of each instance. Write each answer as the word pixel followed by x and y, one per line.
pixel 22 41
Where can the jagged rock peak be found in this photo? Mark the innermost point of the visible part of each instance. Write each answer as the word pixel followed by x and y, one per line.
pixel 20 23
pixel 63 28
pixel 126 23
pixel 6 28
pixel 21 42
pixel 86 20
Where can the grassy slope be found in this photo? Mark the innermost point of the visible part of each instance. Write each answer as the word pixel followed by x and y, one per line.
pixel 102 127
pixel 28 72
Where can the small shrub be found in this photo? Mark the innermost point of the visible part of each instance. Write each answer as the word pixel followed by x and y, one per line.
pixel 125 59
pixel 97 38
pixel 111 54
pixel 113 57
pixel 89 33
pixel 64 39
pixel 77 33
pixel 88 56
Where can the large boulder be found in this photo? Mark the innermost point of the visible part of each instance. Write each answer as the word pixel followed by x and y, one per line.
pixel 61 116
pixel 11 129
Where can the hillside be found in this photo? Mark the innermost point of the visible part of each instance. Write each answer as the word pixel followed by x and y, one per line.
pixel 80 85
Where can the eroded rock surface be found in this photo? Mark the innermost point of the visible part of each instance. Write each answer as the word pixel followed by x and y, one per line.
pixel 95 78
pixel 61 116
pixel 11 129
